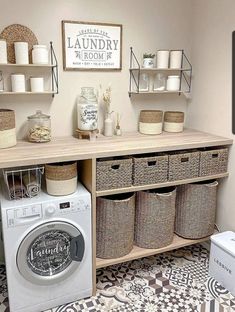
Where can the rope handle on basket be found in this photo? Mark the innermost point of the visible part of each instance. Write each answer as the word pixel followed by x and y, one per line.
pixel 215 155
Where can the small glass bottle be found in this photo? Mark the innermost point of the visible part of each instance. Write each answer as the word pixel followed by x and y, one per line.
pixel 87 110
pixel 144 82
pixel 159 82
pixel 39 128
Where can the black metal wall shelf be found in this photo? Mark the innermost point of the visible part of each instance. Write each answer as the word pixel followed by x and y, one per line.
pixel 53 66
pixel 185 74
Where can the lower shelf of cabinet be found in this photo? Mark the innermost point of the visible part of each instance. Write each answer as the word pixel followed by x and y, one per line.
pixel 137 252
pixel 157 185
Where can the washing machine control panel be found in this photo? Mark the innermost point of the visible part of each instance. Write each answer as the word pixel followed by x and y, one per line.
pixel 22 215
pixel 60 208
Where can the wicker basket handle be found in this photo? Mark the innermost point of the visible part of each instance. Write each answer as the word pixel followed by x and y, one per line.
pixel 184 159
pixel 115 167
pixel 215 155
pixel 152 163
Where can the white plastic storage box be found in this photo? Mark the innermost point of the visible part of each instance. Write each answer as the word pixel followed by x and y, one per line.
pixel 222 259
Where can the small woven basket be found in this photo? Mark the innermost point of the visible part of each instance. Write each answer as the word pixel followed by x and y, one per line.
pixel 150 169
pixel 150 121
pixel 213 161
pixel 195 209
pixel 155 215
pixel 7 128
pixel 115 225
pixel 113 173
pixel 173 121
pixel 183 165
pixel 61 178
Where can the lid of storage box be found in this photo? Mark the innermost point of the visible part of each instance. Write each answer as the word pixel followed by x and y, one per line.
pixel 226 241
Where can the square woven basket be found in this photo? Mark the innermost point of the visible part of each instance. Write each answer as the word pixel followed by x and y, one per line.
pixel 150 169
pixel 113 173
pixel 183 165
pixel 213 161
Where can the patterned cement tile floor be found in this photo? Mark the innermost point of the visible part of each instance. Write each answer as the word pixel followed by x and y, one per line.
pixel 175 281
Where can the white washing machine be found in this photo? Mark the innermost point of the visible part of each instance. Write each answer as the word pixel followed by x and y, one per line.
pixel 48 250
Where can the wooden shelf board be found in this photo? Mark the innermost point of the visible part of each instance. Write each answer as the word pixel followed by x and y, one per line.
pixel 158 92
pixel 159 69
pixel 26 93
pixel 28 65
pixel 157 185
pixel 137 252
pixel 70 148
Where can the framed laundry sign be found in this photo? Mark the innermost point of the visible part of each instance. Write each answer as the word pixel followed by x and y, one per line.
pixel 91 46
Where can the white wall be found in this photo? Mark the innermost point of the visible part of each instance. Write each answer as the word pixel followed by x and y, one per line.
pixel 147 26
pixel 210 110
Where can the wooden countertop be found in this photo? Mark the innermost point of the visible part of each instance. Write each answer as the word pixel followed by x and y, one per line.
pixel 70 148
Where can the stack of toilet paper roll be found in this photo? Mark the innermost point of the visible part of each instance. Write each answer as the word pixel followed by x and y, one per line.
pixel 7 128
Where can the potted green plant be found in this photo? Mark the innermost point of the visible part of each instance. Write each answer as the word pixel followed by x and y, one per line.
pixel 148 60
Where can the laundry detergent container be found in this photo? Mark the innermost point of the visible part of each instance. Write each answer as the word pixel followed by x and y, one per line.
pixel 195 209
pixel 155 215
pixel 115 225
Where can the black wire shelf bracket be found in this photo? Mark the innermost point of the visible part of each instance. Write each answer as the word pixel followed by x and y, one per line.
pixel 135 70
pixel 54 71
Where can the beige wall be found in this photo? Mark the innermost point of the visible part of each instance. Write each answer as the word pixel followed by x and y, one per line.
pixel 210 110
pixel 147 26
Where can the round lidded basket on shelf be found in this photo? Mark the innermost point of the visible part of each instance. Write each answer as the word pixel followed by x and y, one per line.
pixel 173 121
pixel 61 178
pixel 150 121
pixel 7 128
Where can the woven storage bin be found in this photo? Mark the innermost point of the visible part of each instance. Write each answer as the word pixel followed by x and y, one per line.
pixel 150 169
pixel 183 165
pixel 61 178
pixel 155 215
pixel 213 161
pixel 173 121
pixel 195 209
pixel 150 121
pixel 115 225
pixel 113 173
pixel 7 128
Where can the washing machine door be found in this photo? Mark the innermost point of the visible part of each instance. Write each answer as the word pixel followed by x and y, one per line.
pixel 50 253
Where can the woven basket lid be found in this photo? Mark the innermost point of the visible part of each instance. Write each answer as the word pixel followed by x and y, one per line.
pixel 151 116
pixel 174 116
pixel 61 171
pixel 17 33
pixel 7 119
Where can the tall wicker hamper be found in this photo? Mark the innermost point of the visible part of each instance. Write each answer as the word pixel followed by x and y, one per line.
pixel 155 215
pixel 195 209
pixel 113 173
pixel 115 225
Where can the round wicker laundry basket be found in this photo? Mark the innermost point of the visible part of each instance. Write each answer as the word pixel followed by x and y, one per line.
pixel 115 225
pixel 195 209
pixel 155 215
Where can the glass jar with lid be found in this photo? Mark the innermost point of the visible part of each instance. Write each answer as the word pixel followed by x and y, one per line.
pixel 39 127
pixel 87 109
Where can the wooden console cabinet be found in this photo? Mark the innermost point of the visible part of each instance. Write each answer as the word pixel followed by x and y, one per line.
pixel 86 152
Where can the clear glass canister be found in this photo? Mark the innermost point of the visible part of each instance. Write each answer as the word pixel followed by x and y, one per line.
pixel 39 128
pixel 87 109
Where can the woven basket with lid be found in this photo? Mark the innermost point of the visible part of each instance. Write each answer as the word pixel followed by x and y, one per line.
pixel 150 121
